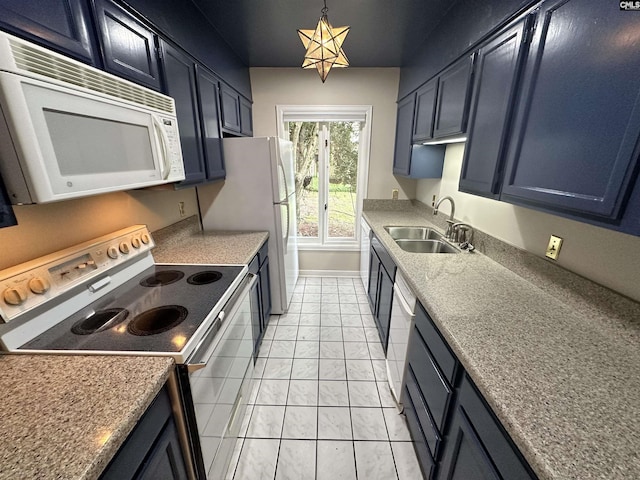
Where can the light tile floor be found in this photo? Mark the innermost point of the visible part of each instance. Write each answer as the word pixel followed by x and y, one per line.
pixel 321 406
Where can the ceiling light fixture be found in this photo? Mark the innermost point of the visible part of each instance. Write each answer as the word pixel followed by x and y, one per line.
pixel 324 46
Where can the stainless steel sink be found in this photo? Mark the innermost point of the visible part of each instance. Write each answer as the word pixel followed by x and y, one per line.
pixel 426 246
pixel 414 233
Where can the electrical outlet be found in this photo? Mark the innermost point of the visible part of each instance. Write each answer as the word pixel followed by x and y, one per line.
pixel 433 201
pixel 553 249
pixel 181 209
pixel 394 194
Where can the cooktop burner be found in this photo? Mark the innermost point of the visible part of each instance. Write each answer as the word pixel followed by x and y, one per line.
pixel 203 278
pixel 134 317
pixel 100 320
pixel 157 320
pixel 165 277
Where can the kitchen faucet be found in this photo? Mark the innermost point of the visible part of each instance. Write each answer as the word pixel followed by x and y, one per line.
pixel 462 234
pixel 450 222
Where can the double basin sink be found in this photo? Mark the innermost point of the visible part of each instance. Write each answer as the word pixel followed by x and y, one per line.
pixel 420 240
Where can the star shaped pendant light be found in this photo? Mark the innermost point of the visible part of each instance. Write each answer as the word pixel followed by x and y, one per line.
pixel 324 46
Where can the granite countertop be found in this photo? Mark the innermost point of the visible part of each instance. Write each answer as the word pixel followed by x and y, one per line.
pixel 184 242
pixel 561 374
pixel 66 416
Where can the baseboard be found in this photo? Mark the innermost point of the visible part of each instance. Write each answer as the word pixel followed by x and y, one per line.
pixel 329 273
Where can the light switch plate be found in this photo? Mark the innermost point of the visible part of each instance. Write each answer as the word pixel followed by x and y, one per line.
pixel 553 249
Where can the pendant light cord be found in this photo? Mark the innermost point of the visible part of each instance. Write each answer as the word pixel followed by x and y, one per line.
pixel 325 9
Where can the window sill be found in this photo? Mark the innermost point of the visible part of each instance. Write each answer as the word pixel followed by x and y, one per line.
pixel 339 247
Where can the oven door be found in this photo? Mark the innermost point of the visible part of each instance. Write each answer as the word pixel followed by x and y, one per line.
pixel 216 381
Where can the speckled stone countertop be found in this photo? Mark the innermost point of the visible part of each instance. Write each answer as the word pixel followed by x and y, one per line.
pixel 562 377
pixel 65 416
pixel 184 242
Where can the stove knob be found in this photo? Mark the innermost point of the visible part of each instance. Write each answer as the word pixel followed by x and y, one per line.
pixel 135 242
pixel 15 295
pixel 145 238
pixel 125 247
pixel 112 252
pixel 39 285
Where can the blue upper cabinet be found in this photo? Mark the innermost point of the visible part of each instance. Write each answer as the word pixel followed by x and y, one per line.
pixel 495 81
pixel 246 117
pixel 180 81
pixel 425 109
pixel 7 217
pixel 208 94
pixel 129 47
pixel 417 161
pixel 574 149
pixel 452 105
pixel 230 109
pixel 63 25
pixel 404 129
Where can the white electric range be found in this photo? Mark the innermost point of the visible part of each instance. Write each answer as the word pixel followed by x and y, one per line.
pixel 107 296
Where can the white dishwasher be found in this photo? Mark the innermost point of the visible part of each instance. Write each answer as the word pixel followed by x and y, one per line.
pixel 402 314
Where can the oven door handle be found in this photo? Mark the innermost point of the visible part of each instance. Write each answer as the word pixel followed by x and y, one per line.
pixel 198 359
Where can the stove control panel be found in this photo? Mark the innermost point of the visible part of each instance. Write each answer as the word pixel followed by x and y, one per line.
pixel 41 280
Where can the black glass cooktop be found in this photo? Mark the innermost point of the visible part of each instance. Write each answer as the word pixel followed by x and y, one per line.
pixel 156 311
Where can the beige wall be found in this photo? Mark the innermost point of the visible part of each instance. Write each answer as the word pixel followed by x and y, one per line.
pixel 351 86
pixel 604 256
pixel 43 229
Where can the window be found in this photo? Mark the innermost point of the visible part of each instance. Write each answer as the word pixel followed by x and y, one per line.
pixel 331 145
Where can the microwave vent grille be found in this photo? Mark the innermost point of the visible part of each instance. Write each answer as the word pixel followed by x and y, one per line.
pixel 55 66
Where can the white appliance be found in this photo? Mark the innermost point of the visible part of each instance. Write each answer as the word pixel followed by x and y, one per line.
pixel 402 320
pixel 259 194
pixel 107 296
pixel 69 130
pixel 365 245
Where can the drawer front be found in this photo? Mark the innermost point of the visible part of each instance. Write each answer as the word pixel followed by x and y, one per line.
pixel 419 442
pixel 417 404
pixel 433 386
pixel 438 348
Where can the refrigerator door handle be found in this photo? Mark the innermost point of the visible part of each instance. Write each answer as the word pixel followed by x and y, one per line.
pixel 286 236
pixel 284 178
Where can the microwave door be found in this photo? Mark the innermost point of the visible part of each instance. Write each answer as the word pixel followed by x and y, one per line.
pixel 84 144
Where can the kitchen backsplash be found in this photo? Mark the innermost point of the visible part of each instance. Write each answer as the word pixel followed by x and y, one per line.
pixel 46 228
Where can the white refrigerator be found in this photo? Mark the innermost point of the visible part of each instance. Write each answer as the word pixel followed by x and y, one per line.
pixel 259 194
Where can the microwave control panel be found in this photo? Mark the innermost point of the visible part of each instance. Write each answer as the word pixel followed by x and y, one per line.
pixel 45 279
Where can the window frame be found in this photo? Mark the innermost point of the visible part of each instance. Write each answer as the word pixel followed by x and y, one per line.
pixel 334 113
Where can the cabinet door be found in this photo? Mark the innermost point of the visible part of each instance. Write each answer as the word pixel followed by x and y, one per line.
pixel 574 147
pixel 452 106
pixel 64 25
pixel 128 46
pixel 180 82
pixel 385 301
pixel 230 109
pixel 208 94
pixel 404 130
pixel 246 120
pixel 7 217
pixel 374 273
pixel 425 110
pixel 496 75
pixel 265 288
pixel 165 460
pixel 477 446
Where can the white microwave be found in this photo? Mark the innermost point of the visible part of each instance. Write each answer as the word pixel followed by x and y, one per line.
pixel 68 130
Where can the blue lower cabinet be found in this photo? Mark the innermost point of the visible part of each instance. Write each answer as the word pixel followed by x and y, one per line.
pixel 455 434
pixel 477 447
pixel 152 450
